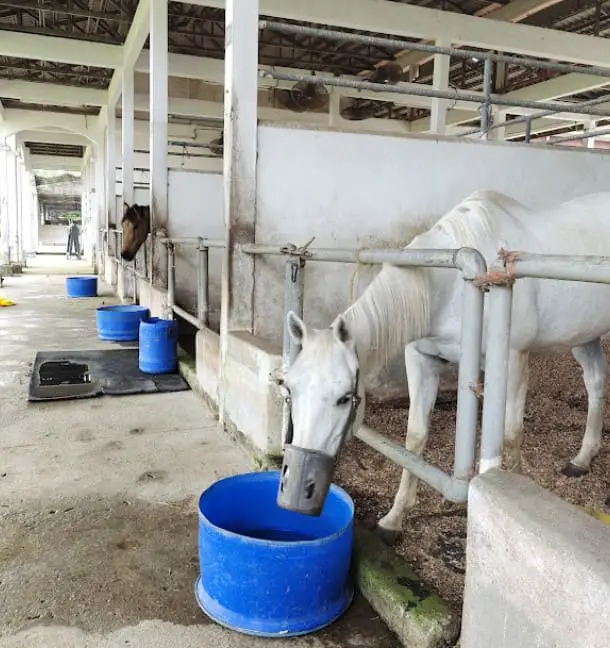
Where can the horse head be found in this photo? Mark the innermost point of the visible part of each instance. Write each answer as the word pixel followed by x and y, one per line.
pixel 136 227
pixel 324 392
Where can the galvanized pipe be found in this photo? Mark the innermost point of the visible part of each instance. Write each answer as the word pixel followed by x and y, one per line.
pixel 486 107
pixel 171 277
pixel 187 316
pixel 293 301
pixel 450 488
pixel 472 264
pixel 580 136
pixel 401 44
pixel 564 267
pixel 527 119
pixel 427 91
pixel 403 257
pixel 496 376
pixel 192 240
pixel 203 282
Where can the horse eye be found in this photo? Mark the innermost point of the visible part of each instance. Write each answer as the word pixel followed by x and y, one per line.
pixel 344 400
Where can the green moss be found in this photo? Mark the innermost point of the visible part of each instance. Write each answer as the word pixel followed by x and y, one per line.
pixel 398 594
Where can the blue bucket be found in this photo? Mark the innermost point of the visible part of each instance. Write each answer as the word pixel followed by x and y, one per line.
pixel 269 572
pixel 81 286
pixel 120 322
pixel 158 345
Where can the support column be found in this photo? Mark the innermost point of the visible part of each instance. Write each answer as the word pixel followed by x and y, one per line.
pixel 110 218
pixel 590 141
pixel 334 106
pixel 99 219
pixel 239 173
pixel 158 134
pixel 127 131
pixel 12 201
pixel 440 81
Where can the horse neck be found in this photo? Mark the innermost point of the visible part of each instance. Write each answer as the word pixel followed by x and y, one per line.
pixel 393 311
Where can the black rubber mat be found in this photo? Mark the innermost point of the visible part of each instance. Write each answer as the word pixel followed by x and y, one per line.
pixel 61 375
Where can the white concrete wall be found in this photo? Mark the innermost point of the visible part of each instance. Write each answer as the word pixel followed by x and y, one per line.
pixel 196 209
pixel 537 569
pixel 53 235
pixel 362 190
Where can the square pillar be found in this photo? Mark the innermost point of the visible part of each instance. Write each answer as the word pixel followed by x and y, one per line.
pixel 440 81
pixel 127 135
pixel 239 174
pixel 158 135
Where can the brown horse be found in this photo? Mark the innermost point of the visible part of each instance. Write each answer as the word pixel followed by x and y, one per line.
pixel 136 228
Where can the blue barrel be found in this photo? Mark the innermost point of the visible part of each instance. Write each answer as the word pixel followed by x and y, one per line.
pixel 158 345
pixel 81 286
pixel 267 571
pixel 121 322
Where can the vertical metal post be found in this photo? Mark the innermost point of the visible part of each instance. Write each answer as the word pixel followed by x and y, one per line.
pixel 486 107
pixel 293 301
pixel 171 277
pixel 468 380
pixel 203 285
pixel 528 131
pixel 496 376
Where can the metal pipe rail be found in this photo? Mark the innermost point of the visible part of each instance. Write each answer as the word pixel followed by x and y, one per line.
pixel 527 119
pixel 488 99
pixel 511 267
pixel 471 264
pixel 402 44
pixel 202 245
pixel 427 91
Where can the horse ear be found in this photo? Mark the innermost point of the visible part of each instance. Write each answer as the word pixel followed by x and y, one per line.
pixel 341 331
pixel 125 208
pixel 297 328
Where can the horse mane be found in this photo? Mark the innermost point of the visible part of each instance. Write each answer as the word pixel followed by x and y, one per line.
pixel 390 313
pixel 395 308
pixel 135 212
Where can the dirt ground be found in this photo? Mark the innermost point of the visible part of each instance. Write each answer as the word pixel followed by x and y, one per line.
pixel 434 537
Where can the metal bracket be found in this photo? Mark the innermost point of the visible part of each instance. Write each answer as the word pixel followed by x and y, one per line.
pixel 302 253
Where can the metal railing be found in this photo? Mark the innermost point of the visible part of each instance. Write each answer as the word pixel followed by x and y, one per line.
pixel 500 282
pixel 486 99
pixel 471 264
pixel 112 243
pixel 202 246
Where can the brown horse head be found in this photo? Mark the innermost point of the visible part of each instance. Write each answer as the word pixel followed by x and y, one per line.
pixel 136 227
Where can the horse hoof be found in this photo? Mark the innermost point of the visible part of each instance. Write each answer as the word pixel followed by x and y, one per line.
pixel 388 536
pixel 572 470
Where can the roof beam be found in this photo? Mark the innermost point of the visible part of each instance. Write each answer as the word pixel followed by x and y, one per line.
pixel 433 24
pixel 136 37
pixel 59 95
pixel 50 137
pixel 59 50
pixel 514 11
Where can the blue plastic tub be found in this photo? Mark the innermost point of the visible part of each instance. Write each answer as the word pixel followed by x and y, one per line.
pixel 120 322
pixel 270 572
pixel 81 286
pixel 158 345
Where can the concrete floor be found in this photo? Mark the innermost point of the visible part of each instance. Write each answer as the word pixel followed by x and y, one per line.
pixel 98 531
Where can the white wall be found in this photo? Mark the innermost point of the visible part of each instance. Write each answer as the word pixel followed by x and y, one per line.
pixel 196 209
pixel 53 235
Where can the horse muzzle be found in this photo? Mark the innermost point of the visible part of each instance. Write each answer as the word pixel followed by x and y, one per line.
pixel 305 479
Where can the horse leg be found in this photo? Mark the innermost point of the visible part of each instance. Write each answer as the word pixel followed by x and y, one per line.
pixel 423 374
pixel 591 358
pixel 516 393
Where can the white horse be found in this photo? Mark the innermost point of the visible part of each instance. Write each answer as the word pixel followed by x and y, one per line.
pixel 417 310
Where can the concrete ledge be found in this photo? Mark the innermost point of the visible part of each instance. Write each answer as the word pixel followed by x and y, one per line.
pixel 420 618
pixel 537 569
